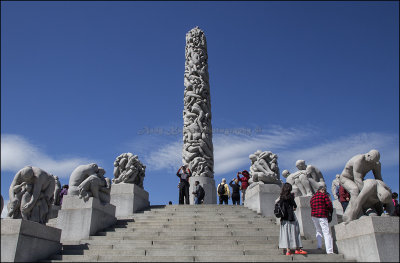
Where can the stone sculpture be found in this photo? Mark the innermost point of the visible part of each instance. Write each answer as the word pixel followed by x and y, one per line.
pixel 335 184
pixel 89 181
pixel 264 168
pixel 57 190
pixel 370 201
pixel 197 151
pixel 307 179
pixel 291 179
pixel 31 192
pixel 352 179
pixel 128 169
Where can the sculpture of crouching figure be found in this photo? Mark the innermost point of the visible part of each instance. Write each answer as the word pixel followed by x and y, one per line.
pixel 31 193
pixel 89 181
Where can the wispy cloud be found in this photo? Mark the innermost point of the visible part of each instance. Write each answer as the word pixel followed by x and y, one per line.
pixel 17 152
pixel 231 151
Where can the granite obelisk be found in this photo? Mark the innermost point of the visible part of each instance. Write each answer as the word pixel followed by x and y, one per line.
pixel 197 152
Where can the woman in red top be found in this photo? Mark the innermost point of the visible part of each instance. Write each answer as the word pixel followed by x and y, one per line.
pixel 244 182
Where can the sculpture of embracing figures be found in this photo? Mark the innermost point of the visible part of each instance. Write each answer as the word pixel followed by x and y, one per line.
pixel 264 168
pixel 31 193
pixel 128 169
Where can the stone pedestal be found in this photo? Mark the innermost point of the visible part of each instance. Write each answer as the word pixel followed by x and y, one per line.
pixel 303 214
pixel 261 198
pixel 78 219
pixel 128 198
pixel 338 206
pixel 28 241
pixel 53 213
pixel 370 238
pixel 209 187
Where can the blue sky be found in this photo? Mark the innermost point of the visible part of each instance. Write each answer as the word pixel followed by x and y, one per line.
pixel 86 81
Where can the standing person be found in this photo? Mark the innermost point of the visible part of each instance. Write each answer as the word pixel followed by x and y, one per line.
pixel 395 204
pixel 321 205
pixel 198 193
pixel 183 184
pixel 223 192
pixel 244 183
pixel 63 192
pixel 235 191
pixel 289 235
pixel 344 197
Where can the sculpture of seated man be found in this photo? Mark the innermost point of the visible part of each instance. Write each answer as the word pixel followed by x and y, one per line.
pixel 30 189
pixel 373 196
pixel 308 178
pixel 89 181
pixel 128 169
pixel 260 169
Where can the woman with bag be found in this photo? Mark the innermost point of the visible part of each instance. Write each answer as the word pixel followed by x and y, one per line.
pixel 289 236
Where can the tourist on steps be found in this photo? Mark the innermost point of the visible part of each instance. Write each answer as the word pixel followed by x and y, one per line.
pixel 198 193
pixel 244 183
pixel 235 191
pixel 223 192
pixel 184 173
pixel 289 235
pixel 321 205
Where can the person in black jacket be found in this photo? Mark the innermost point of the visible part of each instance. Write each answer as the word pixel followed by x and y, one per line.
pixel 289 236
pixel 184 184
pixel 235 191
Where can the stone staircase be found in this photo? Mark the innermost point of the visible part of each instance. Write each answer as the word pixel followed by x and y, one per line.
pixel 207 233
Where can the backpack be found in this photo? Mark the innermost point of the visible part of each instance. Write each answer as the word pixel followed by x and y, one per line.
pixel 201 192
pixel 278 210
pixel 221 189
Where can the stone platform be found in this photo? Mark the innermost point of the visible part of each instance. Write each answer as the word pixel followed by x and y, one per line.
pixel 128 199
pixel 370 238
pixel 261 198
pixel 27 241
pixel 79 219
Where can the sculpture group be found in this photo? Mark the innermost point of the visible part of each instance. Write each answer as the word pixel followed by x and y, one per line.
pixel 197 153
pixel 33 190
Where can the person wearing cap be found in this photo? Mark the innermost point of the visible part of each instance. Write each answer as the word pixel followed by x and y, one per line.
pixel 321 205
pixel 244 182
pixel 223 192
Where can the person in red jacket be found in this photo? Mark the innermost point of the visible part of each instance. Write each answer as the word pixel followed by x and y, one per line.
pixel 344 197
pixel 321 205
pixel 244 182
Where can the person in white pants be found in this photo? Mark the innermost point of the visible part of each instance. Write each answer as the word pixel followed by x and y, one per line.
pixel 322 227
pixel 321 205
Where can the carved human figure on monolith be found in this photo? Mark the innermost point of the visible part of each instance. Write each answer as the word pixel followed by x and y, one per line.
pixel 197 153
pixel 264 168
pixel 89 181
pixel 128 169
pixel 31 192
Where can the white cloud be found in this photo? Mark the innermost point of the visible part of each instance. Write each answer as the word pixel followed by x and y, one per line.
pixel 17 152
pixel 231 151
